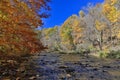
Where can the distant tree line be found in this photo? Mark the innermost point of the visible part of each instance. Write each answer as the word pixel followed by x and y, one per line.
pixel 96 28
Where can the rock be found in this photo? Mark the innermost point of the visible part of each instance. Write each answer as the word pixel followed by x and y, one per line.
pixel 106 67
pixel 6 79
pixel 68 75
pixel 95 69
pixel 33 77
pixel 37 75
pixel 77 79
pixel 69 70
pixel 21 69
pixel 62 76
pixel 91 76
pixel 104 70
pixel 63 67
pixel 18 78
pixel 78 63
pixel 12 62
pixel 0 62
pixel 5 73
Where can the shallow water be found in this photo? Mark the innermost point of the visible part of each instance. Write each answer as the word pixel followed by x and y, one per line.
pixel 55 66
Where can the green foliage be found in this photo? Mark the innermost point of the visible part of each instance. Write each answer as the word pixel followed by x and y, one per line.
pixel 66 35
pixel 114 54
pixel 91 48
pixel 103 54
pixel 50 31
pixel 111 54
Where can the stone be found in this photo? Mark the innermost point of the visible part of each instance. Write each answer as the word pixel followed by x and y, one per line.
pixel 33 77
pixel 18 78
pixel 63 67
pixel 68 75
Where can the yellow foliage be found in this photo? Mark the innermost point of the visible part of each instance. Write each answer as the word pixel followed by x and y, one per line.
pixel 118 35
pixel 81 13
pixel 111 11
pixel 3 16
pixel 99 26
pixel 106 8
pixel 113 2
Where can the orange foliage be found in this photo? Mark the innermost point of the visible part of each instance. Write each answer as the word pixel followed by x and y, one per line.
pixel 18 19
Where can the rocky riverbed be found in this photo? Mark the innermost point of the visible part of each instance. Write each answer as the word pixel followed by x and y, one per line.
pixel 55 66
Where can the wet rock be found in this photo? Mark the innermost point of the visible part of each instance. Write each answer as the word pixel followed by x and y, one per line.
pixel 95 69
pixel 104 70
pixel 69 70
pixel 43 55
pixel 6 79
pixel 18 78
pixel 68 76
pixel 86 65
pixel 5 74
pixel 91 76
pixel 32 78
pixel 21 69
pixel 62 76
pixel 106 66
pixel 77 79
pixel 37 75
pixel 63 67
pixel 78 63
pixel 12 62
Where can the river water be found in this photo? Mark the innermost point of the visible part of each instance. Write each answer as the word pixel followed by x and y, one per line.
pixel 55 66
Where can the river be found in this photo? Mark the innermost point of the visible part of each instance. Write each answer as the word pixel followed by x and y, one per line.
pixel 55 66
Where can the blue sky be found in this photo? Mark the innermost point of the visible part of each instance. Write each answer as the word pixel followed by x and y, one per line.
pixel 62 9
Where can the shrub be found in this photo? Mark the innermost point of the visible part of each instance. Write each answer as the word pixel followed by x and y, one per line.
pixel 114 54
pixel 103 53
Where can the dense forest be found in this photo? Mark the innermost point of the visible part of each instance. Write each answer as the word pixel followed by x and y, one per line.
pixel 95 30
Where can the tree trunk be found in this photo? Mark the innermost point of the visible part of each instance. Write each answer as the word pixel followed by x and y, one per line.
pixel 101 40
pixel 110 34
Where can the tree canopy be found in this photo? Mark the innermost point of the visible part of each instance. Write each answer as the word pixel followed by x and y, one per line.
pixel 18 20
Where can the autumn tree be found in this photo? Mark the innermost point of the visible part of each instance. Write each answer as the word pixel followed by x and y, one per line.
pixel 50 37
pixel 66 34
pixel 78 30
pixel 96 24
pixel 18 20
pixel 93 29
pixel 112 13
